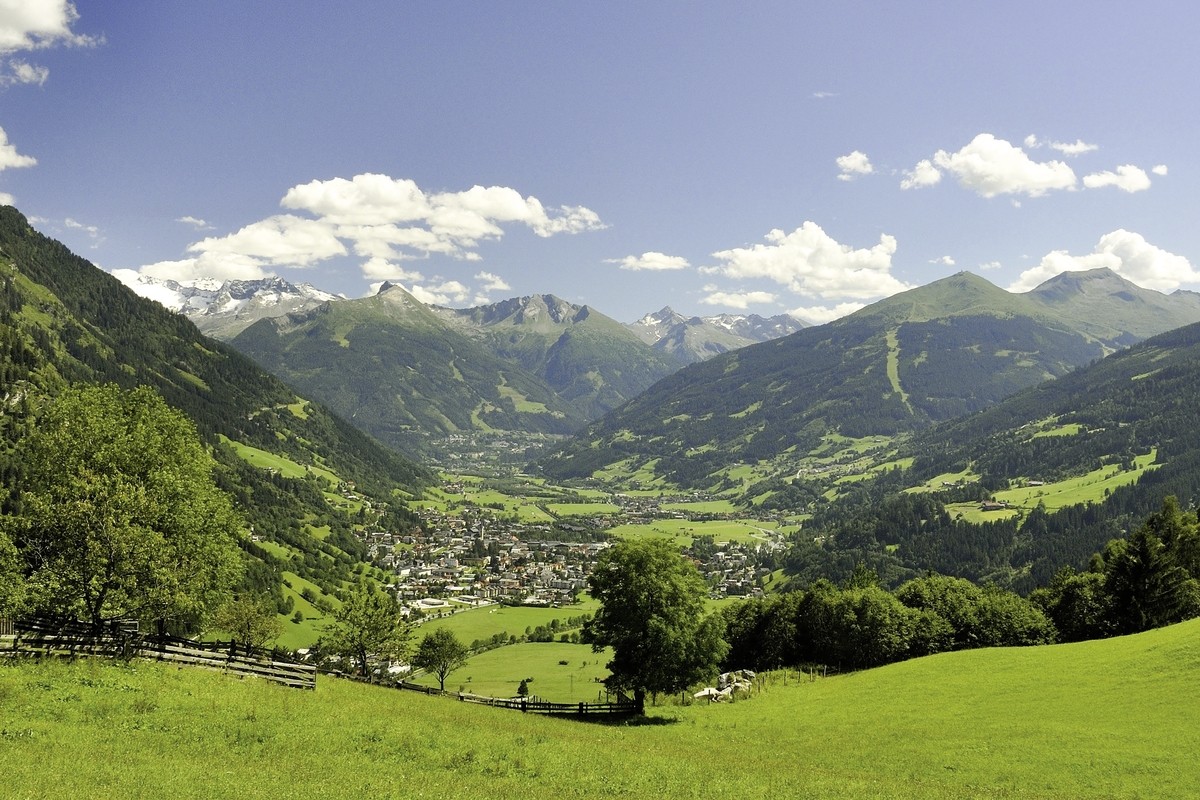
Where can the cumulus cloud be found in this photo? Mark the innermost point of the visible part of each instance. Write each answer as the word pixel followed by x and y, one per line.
pixel 383 220
pixel 36 25
pixel 383 270
pixel 1126 253
pixel 280 240
pixel 819 315
pixel 653 261
pixel 397 213
pixel 739 300
pixel 1127 178
pixel 923 174
pixel 808 261
pixel 1159 169
pixel 442 294
pixel 221 266
pixel 989 166
pixel 944 261
pixel 9 157
pixel 491 283
pixel 7 199
pixel 854 165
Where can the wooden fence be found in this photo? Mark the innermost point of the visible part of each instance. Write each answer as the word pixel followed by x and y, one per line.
pixel 70 638
pixel 528 705
pixel 535 706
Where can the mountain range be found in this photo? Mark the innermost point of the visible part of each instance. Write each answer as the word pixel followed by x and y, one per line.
pixel 224 308
pixel 934 353
pixel 692 339
pixel 1006 388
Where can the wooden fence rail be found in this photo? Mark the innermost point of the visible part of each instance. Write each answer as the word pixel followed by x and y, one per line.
pixel 533 706
pixel 527 705
pixel 72 638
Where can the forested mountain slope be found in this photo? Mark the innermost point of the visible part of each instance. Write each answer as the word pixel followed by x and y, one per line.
pixel 399 371
pixel 927 355
pixel 591 361
pixel 65 322
pixel 1090 426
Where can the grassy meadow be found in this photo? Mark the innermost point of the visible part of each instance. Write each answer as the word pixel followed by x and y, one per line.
pixel 486 621
pixel 1111 719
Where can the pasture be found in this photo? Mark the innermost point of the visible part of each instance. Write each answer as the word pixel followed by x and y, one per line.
pixel 484 622
pixel 1106 719
pixel 498 673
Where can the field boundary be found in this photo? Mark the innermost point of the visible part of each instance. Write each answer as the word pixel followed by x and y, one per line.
pixel 72 639
pixel 527 705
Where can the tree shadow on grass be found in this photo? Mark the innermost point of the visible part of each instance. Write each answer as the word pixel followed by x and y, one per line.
pixel 613 721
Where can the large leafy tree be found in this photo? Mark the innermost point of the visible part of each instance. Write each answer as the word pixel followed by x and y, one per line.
pixel 12 585
pixel 441 653
pixel 119 516
pixel 369 625
pixel 652 615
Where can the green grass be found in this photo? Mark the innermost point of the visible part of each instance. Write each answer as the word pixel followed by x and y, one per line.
pixel 485 622
pixel 284 466
pixel 684 531
pixel 1083 489
pixel 1110 719
pixel 582 509
pixel 497 673
pixel 703 507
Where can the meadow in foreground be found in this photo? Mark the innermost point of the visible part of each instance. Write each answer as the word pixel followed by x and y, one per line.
pixel 1097 719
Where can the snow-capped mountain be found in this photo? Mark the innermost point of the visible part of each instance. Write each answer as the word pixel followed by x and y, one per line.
pixel 692 339
pixel 223 309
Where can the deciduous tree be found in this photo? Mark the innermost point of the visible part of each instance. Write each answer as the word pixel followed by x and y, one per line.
pixel 120 516
pixel 369 625
pixel 441 653
pixel 652 615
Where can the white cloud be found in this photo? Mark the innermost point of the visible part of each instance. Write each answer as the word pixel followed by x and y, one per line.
pixel 650 261
pixel 442 294
pixel 989 166
pixel 9 157
pixel 853 165
pixel 377 208
pixel 17 71
pixel 383 220
pixel 819 315
pixel 222 266
pixel 1159 169
pixel 944 261
pixel 280 240
pixel 823 95
pixel 808 261
pixel 36 25
pixel 384 270
pixel 990 266
pixel 922 175
pixel 1126 253
pixel 7 199
pixel 491 283
pixel 1075 148
pixel 1127 178
pixel 739 300
pixel 195 222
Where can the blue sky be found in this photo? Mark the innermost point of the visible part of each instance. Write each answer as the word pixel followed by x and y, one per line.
pixel 762 157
